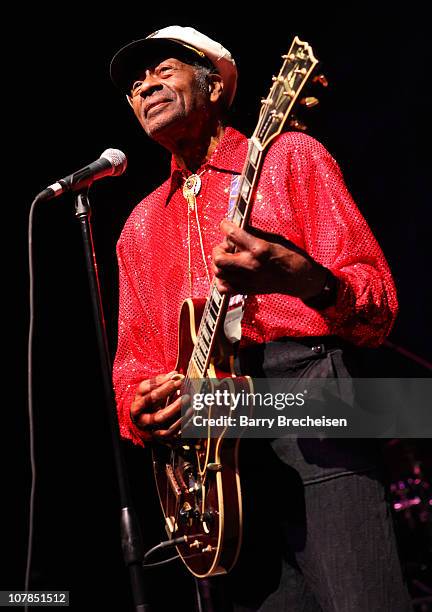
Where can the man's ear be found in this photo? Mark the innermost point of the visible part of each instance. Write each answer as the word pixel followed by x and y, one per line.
pixel 129 99
pixel 215 86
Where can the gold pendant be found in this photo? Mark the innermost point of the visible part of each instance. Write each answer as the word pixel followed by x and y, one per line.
pixel 191 188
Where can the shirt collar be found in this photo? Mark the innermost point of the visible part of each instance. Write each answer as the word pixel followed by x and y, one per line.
pixel 232 163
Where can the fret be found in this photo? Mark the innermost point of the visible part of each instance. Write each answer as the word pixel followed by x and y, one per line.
pixel 253 154
pixel 245 188
pixel 209 329
pixel 242 205
pixel 205 320
pixel 205 336
pixel 213 306
pixel 200 354
pixel 213 298
pixel 237 217
pixel 250 173
pixel 214 311
pixel 196 354
pixel 204 351
pixel 207 324
pixel 193 370
pixel 198 361
pixel 189 373
pixel 216 297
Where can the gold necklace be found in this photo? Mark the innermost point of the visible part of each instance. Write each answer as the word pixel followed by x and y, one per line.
pixel 191 188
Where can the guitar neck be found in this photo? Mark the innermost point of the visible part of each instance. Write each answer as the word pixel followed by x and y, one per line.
pixel 249 176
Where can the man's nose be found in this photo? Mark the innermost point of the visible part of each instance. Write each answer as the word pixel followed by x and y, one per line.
pixel 150 84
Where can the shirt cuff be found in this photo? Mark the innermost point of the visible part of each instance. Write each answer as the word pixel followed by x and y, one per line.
pixel 327 296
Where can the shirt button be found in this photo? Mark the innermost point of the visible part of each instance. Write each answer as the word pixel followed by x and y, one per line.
pixel 317 348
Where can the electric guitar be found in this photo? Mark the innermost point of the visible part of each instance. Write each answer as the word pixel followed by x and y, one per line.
pixel 198 480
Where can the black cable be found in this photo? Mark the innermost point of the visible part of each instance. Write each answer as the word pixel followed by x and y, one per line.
pixel 161 546
pixel 150 565
pixel 165 544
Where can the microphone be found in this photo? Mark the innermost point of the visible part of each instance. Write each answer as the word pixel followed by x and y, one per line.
pixel 112 162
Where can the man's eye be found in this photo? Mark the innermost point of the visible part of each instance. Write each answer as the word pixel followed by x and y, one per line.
pixel 136 85
pixel 165 69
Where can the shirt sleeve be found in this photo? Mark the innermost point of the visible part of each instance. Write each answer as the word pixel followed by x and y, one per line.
pixel 337 236
pixel 135 359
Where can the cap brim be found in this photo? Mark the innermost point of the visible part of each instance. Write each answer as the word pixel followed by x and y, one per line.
pixel 138 55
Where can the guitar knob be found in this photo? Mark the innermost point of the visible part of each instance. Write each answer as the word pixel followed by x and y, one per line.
pixel 209 548
pixel 184 517
pixel 185 513
pixel 297 125
pixel 321 79
pixel 309 101
pixel 208 517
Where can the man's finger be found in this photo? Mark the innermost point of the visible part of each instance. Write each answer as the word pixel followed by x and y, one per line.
pixel 150 420
pixel 237 236
pixel 148 385
pixel 161 393
pixel 174 429
pixel 158 396
pixel 147 403
pixel 223 287
pixel 168 412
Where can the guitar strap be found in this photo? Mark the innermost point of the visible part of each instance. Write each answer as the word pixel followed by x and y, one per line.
pixel 236 305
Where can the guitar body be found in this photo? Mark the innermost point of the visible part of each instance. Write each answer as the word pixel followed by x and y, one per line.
pixel 198 479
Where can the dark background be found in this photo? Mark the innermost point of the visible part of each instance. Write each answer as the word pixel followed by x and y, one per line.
pixel 65 113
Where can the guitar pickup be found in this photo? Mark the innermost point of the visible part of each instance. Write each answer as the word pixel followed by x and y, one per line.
pixel 172 480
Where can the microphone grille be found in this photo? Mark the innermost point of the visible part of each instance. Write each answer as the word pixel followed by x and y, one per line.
pixel 117 159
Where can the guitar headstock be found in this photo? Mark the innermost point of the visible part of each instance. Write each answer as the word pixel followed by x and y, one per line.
pixel 298 66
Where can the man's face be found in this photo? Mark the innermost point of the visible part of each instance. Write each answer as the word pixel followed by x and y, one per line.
pixel 170 99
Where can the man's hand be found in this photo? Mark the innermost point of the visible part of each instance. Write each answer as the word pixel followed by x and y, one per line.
pixel 264 263
pixel 149 411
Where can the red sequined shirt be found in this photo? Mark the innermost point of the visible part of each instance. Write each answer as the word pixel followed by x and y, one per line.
pixel 301 195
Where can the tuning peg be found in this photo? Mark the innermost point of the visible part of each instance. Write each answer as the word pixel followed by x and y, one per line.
pixel 321 79
pixel 309 101
pixel 297 125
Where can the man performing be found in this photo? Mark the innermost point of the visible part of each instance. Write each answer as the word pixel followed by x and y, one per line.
pixel 317 530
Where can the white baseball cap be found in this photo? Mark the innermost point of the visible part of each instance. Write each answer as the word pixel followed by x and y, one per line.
pixel 193 45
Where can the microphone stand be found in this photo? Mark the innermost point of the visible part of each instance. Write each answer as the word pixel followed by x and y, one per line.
pixel 129 526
